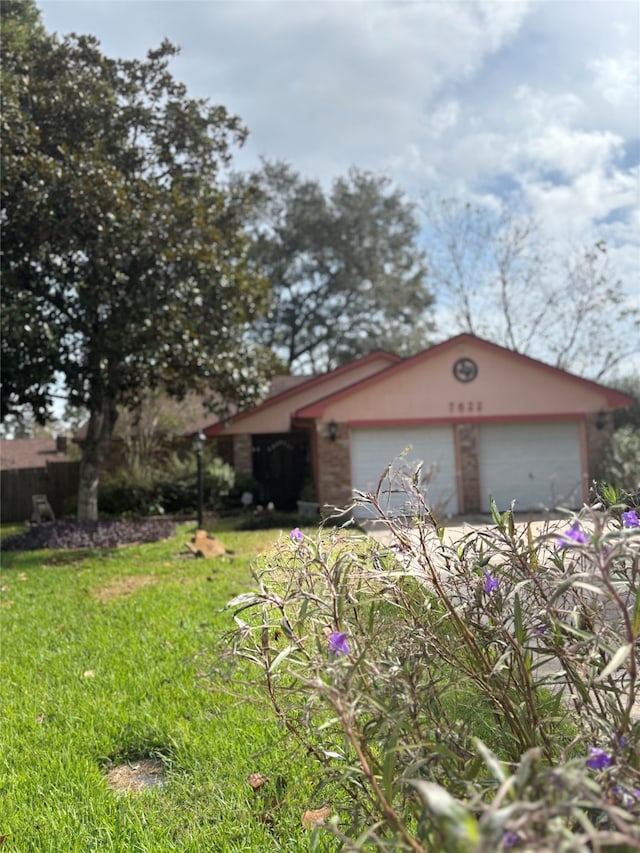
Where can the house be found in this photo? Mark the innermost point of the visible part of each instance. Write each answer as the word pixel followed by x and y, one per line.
pixel 483 420
pixel 266 445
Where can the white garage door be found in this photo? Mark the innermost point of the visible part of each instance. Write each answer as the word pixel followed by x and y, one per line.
pixel 537 464
pixel 372 450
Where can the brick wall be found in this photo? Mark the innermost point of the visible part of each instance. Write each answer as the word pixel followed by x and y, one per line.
pixel 597 440
pixel 467 455
pixel 334 466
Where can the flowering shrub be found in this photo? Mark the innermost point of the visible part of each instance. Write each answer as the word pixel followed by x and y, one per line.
pixel 296 535
pixel 475 696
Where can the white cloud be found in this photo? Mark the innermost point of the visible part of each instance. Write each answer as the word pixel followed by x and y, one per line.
pixel 444 117
pixel 475 98
pixel 572 209
pixel 536 108
pixel 617 78
pixel 358 79
pixel 570 151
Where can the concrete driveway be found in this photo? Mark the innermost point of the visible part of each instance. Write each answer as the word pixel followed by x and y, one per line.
pixel 458 526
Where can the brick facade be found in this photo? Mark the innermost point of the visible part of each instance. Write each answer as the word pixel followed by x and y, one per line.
pixel 468 464
pixel 333 466
pixel 598 436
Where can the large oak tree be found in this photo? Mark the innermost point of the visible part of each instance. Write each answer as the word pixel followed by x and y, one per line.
pixel 346 272
pixel 125 266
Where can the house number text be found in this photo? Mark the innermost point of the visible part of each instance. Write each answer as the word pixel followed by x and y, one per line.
pixel 469 407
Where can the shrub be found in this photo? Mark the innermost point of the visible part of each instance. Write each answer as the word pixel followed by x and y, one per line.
pixel 171 488
pixel 178 486
pixel 275 520
pixel 268 520
pixel 243 483
pixel 621 465
pixel 470 697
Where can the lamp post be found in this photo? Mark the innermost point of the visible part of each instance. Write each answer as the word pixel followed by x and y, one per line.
pixel 198 446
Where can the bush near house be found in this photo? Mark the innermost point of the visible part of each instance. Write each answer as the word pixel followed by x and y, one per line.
pixel 621 464
pixel 478 696
pixel 169 487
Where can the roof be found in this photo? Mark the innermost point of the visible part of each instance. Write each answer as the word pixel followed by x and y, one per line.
pixel 373 362
pixel 278 385
pixel 17 453
pixel 613 399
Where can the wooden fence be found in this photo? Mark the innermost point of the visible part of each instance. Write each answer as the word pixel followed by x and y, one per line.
pixel 58 481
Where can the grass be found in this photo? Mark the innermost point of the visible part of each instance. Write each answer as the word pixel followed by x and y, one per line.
pixel 102 654
pixel 108 656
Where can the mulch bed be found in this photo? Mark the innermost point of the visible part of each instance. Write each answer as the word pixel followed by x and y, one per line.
pixel 90 534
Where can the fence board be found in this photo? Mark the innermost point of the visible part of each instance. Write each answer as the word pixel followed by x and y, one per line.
pixel 58 481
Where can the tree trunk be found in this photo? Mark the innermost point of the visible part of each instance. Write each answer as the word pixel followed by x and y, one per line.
pixel 100 429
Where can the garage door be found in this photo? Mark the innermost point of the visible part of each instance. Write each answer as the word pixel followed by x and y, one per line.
pixel 372 450
pixel 538 465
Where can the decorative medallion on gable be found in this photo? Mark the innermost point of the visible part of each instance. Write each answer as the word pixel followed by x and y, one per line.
pixel 465 370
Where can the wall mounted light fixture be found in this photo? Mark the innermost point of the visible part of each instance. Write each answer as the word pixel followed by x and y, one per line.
pixel 332 430
pixel 601 419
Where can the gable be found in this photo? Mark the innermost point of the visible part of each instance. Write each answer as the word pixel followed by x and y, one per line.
pixel 274 414
pixel 425 388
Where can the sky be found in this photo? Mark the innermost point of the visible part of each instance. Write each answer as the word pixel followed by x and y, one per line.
pixel 537 103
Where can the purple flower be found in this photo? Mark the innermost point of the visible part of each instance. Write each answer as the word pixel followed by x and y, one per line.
pixel 598 758
pixel 510 839
pixel 625 796
pixel 338 643
pixel 622 741
pixel 630 519
pixel 490 583
pixel 572 536
pixel 296 535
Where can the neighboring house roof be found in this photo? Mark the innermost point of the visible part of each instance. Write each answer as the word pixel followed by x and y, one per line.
pixel 273 414
pixel 17 453
pixel 559 393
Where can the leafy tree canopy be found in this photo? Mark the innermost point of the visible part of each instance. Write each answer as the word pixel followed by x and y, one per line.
pixel 125 265
pixel 346 273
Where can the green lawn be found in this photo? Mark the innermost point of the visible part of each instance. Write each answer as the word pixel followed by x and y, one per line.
pixel 106 656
